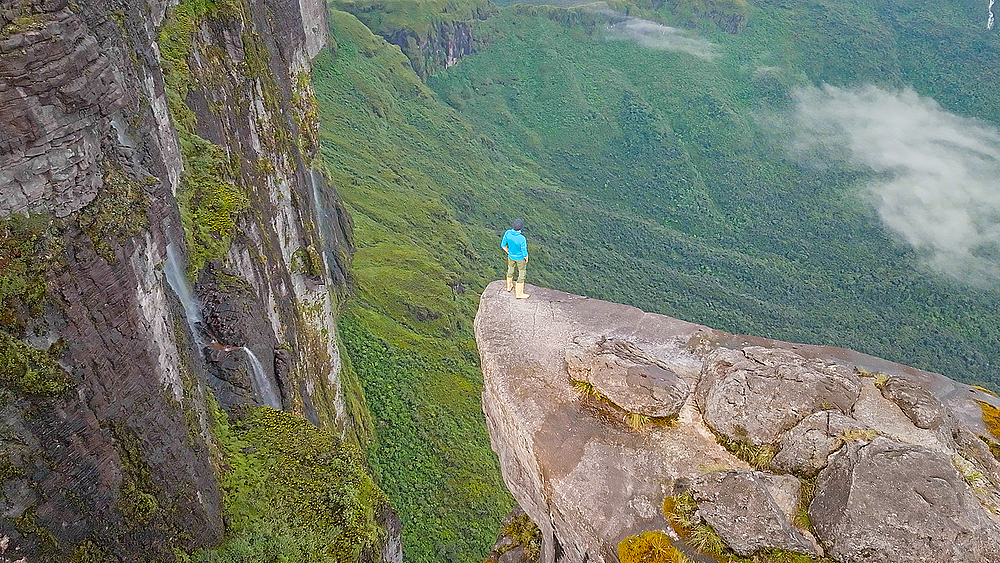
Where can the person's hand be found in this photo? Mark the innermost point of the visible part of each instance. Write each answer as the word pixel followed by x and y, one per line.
pixel 525 259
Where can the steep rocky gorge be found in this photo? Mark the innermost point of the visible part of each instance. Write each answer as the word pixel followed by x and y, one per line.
pixel 614 426
pixel 159 191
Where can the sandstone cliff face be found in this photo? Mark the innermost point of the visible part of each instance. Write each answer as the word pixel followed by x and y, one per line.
pixel 153 144
pixel 889 463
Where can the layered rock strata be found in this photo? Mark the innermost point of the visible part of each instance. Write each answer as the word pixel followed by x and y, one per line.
pixel 902 471
pixel 167 153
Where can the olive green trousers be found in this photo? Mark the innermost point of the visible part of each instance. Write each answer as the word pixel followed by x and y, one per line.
pixel 520 265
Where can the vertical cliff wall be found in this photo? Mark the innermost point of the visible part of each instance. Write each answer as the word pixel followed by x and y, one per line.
pixel 147 149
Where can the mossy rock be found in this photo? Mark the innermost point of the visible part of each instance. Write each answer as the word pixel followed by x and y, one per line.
pixel 209 200
pixel 28 370
pixel 117 213
pixel 27 251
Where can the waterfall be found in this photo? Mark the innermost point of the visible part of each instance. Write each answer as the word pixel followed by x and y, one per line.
pixel 125 140
pixel 264 386
pixel 320 218
pixel 123 136
pixel 989 10
pixel 179 283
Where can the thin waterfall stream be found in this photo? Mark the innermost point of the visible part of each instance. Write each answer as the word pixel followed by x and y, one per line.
pixel 320 218
pixel 264 386
pixel 182 288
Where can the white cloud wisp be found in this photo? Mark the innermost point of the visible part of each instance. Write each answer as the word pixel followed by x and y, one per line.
pixel 938 174
pixel 655 36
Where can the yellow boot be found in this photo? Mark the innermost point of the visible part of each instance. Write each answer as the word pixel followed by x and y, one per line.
pixel 519 291
pixel 510 283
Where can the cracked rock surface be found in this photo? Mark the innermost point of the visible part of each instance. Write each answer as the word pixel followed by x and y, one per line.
pixel 887 501
pixel 751 510
pixel 739 388
pixel 887 490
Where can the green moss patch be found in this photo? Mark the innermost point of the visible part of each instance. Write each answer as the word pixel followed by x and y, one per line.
pixel 28 370
pixel 523 533
pixel 293 493
pixel 176 42
pixel 26 253
pixel 209 200
pixel 117 213
pixel 137 493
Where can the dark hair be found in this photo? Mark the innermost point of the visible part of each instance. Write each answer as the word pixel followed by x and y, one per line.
pixel 518 224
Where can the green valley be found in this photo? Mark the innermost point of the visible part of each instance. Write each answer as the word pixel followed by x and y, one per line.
pixel 656 177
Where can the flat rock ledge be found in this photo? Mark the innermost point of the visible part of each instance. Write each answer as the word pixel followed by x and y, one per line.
pixel 901 474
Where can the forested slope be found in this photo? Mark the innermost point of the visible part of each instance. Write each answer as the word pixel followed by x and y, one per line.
pixel 652 175
pixel 703 214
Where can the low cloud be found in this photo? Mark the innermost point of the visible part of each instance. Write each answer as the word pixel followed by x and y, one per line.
pixel 652 35
pixel 937 174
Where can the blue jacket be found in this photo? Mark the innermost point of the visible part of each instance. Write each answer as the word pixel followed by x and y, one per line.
pixel 516 245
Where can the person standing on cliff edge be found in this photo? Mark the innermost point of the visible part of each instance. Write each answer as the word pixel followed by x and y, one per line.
pixel 516 247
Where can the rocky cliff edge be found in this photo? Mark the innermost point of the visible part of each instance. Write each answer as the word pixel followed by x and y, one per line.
pixel 615 427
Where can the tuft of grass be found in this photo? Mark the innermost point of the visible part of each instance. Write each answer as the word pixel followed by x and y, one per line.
pixel 703 538
pixel 633 420
pixel 653 546
pixel 881 379
pixel 758 457
pixel 807 491
pixel 680 512
pixel 636 421
pixel 584 388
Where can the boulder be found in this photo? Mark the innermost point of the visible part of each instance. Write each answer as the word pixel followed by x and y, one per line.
pixel 916 402
pixel 751 510
pixel 806 447
pixel 620 372
pixel 755 394
pixel 889 502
